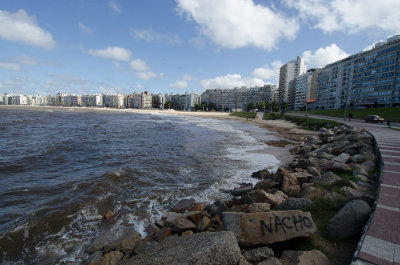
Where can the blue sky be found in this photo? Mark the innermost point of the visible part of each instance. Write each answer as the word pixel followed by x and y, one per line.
pixel 166 46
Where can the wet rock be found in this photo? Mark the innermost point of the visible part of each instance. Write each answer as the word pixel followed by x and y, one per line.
pixel 95 258
pixel 182 224
pixel 258 207
pixel 217 207
pixel 349 221
pixel 162 234
pixel 108 215
pixel 202 248
pixel 265 185
pixel 183 205
pixel 112 258
pixel 294 204
pixel 105 238
pixel 342 158
pixel 262 174
pixel 144 246
pixel 313 257
pixel 290 186
pixel 125 243
pixel 256 255
pixel 240 191
pixel 269 227
pixel 204 223
pixel 170 217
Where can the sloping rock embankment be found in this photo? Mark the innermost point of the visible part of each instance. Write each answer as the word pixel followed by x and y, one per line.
pixel 325 194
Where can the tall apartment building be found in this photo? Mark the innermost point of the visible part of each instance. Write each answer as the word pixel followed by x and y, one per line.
pixel 305 89
pixel 287 73
pixel 95 100
pixel 237 98
pixel 116 101
pixel 369 78
pixel 158 101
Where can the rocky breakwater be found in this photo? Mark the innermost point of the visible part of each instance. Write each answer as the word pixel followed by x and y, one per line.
pixel 328 190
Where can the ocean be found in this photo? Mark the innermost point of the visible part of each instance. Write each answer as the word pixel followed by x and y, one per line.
pixel 61 170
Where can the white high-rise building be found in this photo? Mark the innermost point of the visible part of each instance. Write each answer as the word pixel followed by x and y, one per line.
pixel 287 73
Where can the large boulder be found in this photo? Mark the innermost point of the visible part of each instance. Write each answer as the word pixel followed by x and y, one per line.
pixel 349 221
pixel 327 178
pixel 262 174
pixel 264 228
pixel 265 185
pixel 256 255
pixel 258 207
pixel 126 243
pixel 290 186
pixel 183 205
pixel 112 258
pixel 201 248
pixel 274 198
pixel 303 177
pixel 271 261
pixel 311 193
pixel 342 158
pixel 313 257
pixel 106 238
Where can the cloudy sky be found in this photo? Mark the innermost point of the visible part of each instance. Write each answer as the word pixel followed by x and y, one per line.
pixel 164 46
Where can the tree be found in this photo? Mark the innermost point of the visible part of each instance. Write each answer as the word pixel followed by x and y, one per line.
pixel 197 107
pixel 169 105
pixel 250 106
pixel 267 105
pixel 284 106
pixel 275 106
pixel 211 106
pixel 261 106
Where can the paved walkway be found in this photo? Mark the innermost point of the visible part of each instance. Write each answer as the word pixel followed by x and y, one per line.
pixel 381 243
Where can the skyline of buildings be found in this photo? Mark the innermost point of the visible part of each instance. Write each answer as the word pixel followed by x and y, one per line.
pixel 366 79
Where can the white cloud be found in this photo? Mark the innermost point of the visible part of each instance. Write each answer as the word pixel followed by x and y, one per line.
pixel 115 7
pixel 26 59
pixel 115 53
pixel 239 23
pixel 268 73
pixel 324 56
pixel 179 84
pixel 20 27
pixel 350 15
pixel 231 81
pixel 150 35
pixel 10 66
pixel 83 28
pixel 142 70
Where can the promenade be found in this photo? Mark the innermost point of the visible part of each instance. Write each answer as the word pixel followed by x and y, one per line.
pixel 381 242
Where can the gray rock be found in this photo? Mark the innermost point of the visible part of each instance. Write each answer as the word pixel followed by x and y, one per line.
pixel 95 258
pixel 333 166
pixel 313 257
pixel 358 158
pixel 342 158
pixel 183 224
pixel 369 166
pixel 170 218
pixel 290 186
pixel 144 246
pixel 204 223
pixel 302 177
pixel 350 192
pixel 360 170
pixel 274 199
pixel 183 205
pixel 256 255
pixel 314 171
pixel 125 243
pixel 241 191
pixel 305 163
pixel 201 248
pixel 265 185
pixel 294 204
pixel 261 174
pixel 327 178
pixel 311 193
pixel 271 261
pixel 105 238
pixel 349 221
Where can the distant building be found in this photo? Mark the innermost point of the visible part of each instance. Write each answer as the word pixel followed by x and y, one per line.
pixel 237 98
pixel 287 73
pixel 305 89
pixel 158 101
pixel 114 101
pixel 92 100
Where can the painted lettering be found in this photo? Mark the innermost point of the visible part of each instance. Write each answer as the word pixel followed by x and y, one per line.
pixel 286 224
pixel 297 221
pixel 307 221
pixel 278 223
pixel 265 226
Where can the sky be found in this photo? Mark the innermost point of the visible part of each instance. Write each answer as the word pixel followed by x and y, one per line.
pixel 177 46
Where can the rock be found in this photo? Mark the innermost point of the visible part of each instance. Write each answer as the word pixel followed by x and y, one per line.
pixel 160 223
pixel 240 191
pixel 271 261
pixel 305 163
pixel 256 255
pixel 195 217
pixel 349 221
pixel 302 177
pixel 315 140
pixel 183 205
pixel 340 146
pixel 105 238
pixel 314 171
pixel 144 246
pixel 217 207
pixel 342 158
pixel 162 234
pixel 369 166
pixel 112 258
pixel 311 193
pixel 326 156
pixel 265 185
pixel 258 207
pixel 125 243
pixel 333 166
pixel 313 257
pixel 358 158
pixel 187 233
pixel 290 186
pixel 204 223
pixel 350 192
pixel 262 174
pixel 346 183
pixel 274 199
pixel 238 208
pixel 170 218
pixel 182 224
pixel 365 197
pixel 108 215
pixel 360 170
pixel 196 207
pixel 202 248
pixel 294 204
pixel 269 227
pixel 327 178
pixel 95 258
